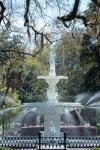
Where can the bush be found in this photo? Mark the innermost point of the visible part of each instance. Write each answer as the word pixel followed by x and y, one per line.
pixel 96 148
pixel 5 148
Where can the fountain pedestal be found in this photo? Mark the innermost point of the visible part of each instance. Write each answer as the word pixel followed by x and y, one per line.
pixel 51 124
pixel 52 121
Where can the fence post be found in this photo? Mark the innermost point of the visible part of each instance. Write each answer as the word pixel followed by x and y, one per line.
pixel 39 141
pixel 64 141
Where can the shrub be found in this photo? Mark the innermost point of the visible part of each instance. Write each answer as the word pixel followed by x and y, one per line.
pixel 5 148
pixel 96 148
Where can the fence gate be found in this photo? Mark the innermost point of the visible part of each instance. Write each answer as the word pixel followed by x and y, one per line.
pixel 52 143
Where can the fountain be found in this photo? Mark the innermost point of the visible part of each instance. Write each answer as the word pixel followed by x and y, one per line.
pixel 52 109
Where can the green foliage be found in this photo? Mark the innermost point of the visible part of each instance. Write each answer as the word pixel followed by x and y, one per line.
pixel 7 46
pixel 11 63
pixel 68 89
pixel 90 61
pixel 95 148
pixel 90 52
pixel 32 89
pixel 18 73
pixel 5 148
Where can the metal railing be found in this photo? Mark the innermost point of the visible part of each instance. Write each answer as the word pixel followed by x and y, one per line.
pixel 40 142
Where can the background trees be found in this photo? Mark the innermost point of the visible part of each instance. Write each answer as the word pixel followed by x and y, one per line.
pixel 90 52
pixel 68 59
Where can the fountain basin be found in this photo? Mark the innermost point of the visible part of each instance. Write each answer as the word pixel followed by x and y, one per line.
pixel 69 130
pixel 52 112
pixel 52 79
pixel 45 106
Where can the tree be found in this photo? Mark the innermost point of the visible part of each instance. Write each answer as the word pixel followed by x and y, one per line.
pixel 11 73
pixel 18 72
pixel 90 57
pixel 68 54
pixel 90 53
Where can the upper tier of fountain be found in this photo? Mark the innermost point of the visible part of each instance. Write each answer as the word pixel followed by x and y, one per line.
pixel 52 80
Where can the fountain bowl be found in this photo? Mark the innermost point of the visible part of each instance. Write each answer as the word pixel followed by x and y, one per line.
pixel 69 130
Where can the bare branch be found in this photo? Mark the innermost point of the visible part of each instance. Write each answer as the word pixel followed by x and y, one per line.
pixel 63 19
pixel 37 33
pixel 19 52
pixel 40 33
pixel 2 11
pixel 85 21
pixel 72 14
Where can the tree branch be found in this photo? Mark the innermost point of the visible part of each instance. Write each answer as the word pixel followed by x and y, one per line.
pixel 64 20
pixel 72 14
pixel 37 33
pixel 26 12
pixel 85 21
pixel 18 52
pixel 2 11
pixel 40 33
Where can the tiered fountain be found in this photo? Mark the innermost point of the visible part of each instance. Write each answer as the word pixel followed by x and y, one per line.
pixel 52 109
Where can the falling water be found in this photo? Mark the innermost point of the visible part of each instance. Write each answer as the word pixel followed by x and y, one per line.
pixel 69 117
pixel 89 100
pixel 83 98
pixel 95 98
pixel 25 116
pixel 95 105
pixel 82 122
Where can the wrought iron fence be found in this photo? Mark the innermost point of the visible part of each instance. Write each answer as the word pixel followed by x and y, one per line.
pixel 42 143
